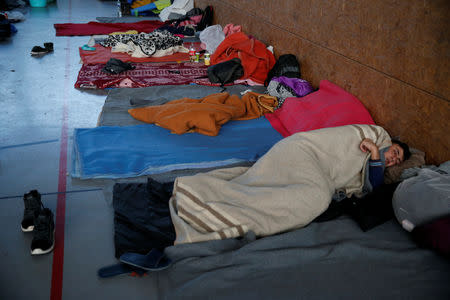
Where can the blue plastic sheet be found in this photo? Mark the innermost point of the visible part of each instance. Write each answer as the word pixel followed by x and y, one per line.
pixel 131 151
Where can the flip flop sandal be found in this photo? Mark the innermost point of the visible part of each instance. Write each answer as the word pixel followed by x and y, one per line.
pixel 155 260
pixel 87 48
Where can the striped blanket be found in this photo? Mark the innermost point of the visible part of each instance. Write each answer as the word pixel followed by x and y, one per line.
pixel 285 189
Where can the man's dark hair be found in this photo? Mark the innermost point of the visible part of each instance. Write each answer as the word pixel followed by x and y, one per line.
pixel 405 147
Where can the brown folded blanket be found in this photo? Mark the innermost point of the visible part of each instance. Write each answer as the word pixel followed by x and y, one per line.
pixel 205 115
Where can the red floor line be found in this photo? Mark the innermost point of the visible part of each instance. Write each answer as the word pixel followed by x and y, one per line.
pixel 58 252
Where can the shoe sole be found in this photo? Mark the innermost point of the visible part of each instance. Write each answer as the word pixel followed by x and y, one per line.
pixel 38 53
pixel 28 229
pixel 39 251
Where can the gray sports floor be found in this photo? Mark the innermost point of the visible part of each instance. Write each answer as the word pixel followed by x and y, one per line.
pixel 39 110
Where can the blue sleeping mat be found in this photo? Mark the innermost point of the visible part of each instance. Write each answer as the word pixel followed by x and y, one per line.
pixel 131 151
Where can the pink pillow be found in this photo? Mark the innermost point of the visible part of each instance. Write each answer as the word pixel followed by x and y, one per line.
pixel 330 106
pixel 230 29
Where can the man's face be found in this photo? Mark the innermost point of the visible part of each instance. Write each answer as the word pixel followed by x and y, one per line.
pixel 394 155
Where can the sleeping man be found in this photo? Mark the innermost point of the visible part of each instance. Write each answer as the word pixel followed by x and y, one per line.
pixel 381 158
pixel 287 188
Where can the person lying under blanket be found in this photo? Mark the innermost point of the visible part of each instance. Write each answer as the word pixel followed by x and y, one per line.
pixel 292 184
pixel 390 156
pixel 379 159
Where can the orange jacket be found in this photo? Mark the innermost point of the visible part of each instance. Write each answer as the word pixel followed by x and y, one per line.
pixel 255 58
pixel 205 115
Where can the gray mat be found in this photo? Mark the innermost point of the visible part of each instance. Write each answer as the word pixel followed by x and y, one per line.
pixel 115 109
pixel 330 260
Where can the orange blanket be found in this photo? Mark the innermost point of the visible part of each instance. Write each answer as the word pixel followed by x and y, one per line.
pixel 205 115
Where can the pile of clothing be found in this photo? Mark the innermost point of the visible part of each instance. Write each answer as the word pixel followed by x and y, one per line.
pixel 156 43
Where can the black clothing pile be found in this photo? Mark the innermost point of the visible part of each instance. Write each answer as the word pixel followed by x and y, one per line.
pixel 116 66
pixel 141 217
pixel 369 211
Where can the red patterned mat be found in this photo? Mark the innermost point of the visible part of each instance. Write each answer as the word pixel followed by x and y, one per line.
pixel 145 74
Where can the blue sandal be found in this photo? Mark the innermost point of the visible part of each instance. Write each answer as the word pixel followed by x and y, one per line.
pixel 87 48
pixel 155 260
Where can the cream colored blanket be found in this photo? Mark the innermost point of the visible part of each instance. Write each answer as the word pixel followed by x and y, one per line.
pixel 285 189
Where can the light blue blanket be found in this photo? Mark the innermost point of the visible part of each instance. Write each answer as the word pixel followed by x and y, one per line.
pixel 131 151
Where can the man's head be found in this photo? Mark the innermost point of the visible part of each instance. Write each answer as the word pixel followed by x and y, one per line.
pixel 396 153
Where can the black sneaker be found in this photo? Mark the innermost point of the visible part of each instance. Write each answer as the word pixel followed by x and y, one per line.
pixel 43 233
pixel 38 50
pixel 33 207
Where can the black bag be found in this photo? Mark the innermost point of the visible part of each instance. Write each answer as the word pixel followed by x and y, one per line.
pixel 226 72
pixel 207 18
pixel 287 66
pixel 5 27
pixel 116 66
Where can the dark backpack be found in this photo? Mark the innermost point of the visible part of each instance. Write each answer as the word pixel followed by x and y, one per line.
pixel 226 72
pixel 287 66
pixel 207 18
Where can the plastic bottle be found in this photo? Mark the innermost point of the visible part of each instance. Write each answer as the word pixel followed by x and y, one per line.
pixel 197 57
pixel 119 10
pixel 191 53
pixel 207 59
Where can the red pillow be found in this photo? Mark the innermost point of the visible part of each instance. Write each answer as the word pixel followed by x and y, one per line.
pixel 330 106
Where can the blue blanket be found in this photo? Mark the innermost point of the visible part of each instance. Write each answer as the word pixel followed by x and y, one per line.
pixel 131 151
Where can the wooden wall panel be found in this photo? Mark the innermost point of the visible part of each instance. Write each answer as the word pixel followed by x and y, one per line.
pixel 393 55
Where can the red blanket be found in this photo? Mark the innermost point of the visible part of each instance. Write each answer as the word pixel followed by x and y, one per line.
pixel 330 106
pixel 255 58
pixel 67 29
pixel 102 54
pixel 145 74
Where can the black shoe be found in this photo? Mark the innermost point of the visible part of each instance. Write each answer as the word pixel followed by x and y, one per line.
pixel 38 50
pixel 33 207
pixel 44 233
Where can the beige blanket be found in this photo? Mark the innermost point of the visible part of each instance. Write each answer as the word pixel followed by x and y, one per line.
pixel 285 189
